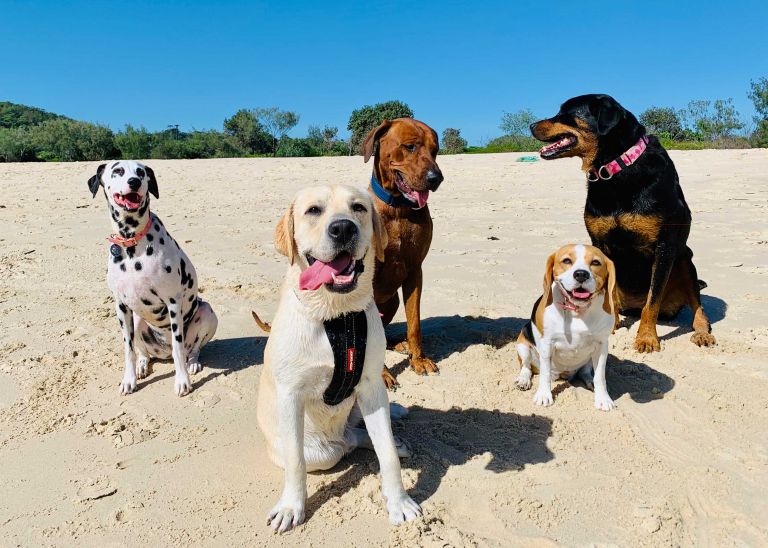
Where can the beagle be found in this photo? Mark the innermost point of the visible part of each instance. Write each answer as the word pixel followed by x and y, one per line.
pixel 323 359
pixel 570 324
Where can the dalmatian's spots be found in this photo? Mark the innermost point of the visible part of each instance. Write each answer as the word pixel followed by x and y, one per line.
pixel 123 308
pixel 137 265
pixel 122 267
pixel 174 327
pixel 150 250
pixel 149 237
pixel 121 322
pixel 130 251
pixel 152 290
pixel 130 221
pixel 178 338
pixel 191 298
pixel 144 208
pixel 173 314
pixel 157 228
pixel 117 258
pixel 146 302
pixel 172 300
pixel 162 241
pixel 168 269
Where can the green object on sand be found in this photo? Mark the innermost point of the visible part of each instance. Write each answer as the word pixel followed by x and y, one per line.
pixel 527 159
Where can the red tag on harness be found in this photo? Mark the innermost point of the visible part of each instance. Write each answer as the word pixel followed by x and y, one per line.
pixel 350 360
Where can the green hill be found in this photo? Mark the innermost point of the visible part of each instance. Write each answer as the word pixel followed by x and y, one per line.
pixel 13 115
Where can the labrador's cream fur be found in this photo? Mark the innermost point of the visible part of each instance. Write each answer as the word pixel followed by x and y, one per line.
pixel 302 432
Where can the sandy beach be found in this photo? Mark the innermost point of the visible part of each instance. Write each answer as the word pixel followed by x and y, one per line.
pixel 683 460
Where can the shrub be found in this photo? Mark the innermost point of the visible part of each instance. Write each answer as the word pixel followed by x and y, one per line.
pixel 517 123
pixel 453 142
pixel 364 119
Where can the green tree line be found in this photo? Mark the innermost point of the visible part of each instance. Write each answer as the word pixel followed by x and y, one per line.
pixel 31 134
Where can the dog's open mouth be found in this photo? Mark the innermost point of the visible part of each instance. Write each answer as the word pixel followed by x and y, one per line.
pixel 578 296
pixel 418 197
pixel 557 146
pixel 129 201
pixel 339 275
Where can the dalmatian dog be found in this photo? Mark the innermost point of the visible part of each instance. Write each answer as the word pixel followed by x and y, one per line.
pixel 152 279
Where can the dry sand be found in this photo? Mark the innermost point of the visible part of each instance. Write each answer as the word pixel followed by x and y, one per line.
pixel 682 461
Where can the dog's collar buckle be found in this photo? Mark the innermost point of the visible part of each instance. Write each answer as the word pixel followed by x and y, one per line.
pixel 607 171
pixel 130 242
pixel 383 194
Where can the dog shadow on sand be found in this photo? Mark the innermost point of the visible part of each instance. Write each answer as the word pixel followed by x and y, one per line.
pixel 219 357
pixel 715 308
pixel 444 335
pixel 440 439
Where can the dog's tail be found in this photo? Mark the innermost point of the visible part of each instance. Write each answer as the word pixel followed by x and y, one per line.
pixel 264 326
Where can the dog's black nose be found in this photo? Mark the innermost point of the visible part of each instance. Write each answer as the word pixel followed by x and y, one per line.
pixel 434 178
pixel 342 230
pixel 581 276
pixel 134 183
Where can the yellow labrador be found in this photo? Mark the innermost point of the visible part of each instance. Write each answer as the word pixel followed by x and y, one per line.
pixel 323 360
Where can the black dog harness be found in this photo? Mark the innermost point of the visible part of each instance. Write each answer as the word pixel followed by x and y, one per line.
pixel 347 334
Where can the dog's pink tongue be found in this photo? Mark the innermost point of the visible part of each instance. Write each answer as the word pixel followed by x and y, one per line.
pixel 581 294
pixel 322 273
pixel 422 197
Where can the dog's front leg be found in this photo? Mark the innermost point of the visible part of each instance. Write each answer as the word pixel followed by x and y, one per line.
pixel 603 400
pixel 543 395
pixel 289 511
pixel 412 296
pixel 125 317
pixel 374 406
pixel 182 385
pixel 647 339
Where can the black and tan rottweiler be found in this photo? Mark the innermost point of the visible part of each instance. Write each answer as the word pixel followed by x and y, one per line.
pixel 635 212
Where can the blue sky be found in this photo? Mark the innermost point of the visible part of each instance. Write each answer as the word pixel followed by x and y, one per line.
pixel 457 64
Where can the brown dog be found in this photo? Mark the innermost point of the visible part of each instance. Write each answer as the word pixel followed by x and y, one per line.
pixel 404 172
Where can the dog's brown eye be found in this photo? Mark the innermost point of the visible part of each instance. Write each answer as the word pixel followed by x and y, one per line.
pixel 410 148
pixel 595 262
pixel 567 261
pixel 314 210
pixel 359 208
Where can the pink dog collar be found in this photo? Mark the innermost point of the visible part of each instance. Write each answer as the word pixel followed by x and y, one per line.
pixel 129 242
pixel 610 169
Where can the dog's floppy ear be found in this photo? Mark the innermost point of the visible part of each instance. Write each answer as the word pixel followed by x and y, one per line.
pixel 610 301
pixel 609 114
pixel 380 237
pixel 95 182
pixel 152 182
pixel 284 240
pixel 373 138
pixel 549 275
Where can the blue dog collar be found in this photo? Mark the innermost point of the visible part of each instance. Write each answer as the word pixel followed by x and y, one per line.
pixel 394 201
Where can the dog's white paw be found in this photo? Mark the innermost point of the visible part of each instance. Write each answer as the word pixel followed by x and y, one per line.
pixel 127 385
pixel 402 508
pixel 183 385
pixel 194 367
pixel 285 516
pixel 543 397
pixel 142 368
pixel 604 402
pixel 403 451
pixel 397 412
pixel 523 381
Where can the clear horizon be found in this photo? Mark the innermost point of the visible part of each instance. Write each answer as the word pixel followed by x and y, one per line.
pixel 456 65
